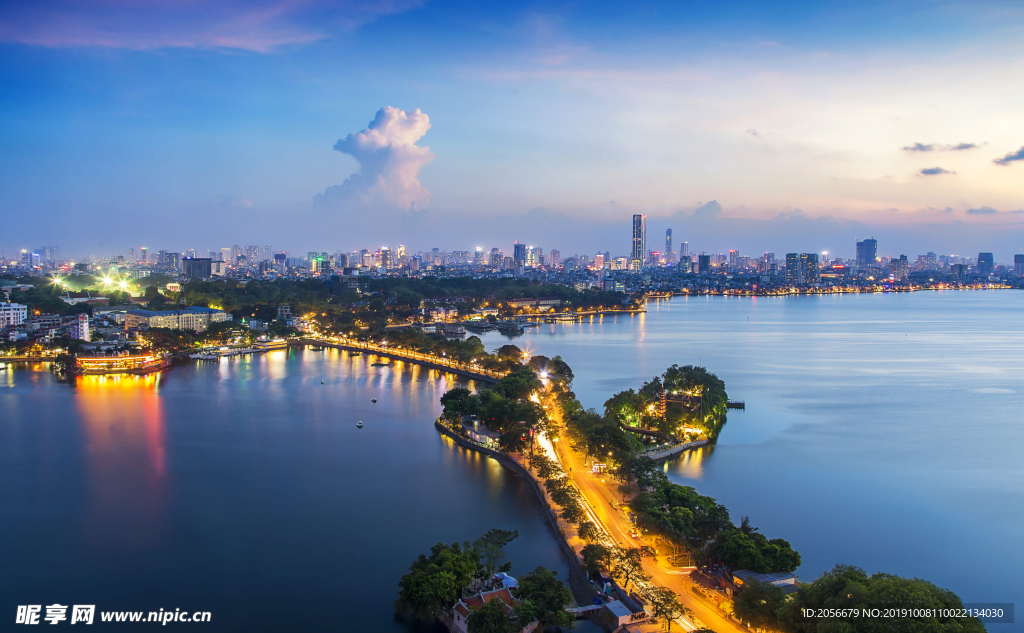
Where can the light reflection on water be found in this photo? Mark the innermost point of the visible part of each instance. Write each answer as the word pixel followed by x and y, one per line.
pixel 243 487
pixel 880 430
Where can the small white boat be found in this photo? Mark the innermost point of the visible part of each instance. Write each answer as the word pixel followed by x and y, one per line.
pixel 373 400
pixel 359 424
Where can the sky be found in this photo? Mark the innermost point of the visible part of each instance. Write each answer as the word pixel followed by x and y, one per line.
pixel 327 126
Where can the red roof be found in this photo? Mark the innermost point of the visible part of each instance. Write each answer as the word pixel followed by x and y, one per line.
pixel 477 601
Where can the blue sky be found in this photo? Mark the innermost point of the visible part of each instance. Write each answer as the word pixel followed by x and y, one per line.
pixel 182 124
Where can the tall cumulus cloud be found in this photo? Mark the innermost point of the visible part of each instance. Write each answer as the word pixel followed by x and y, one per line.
pixel 389 163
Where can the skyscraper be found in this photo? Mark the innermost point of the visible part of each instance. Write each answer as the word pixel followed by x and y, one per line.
pixel 1018 265
pixel 793 269
pixel 985 264
pixel 809 270
pixel 703 264
pixel 519 254
pixel 669 255
pixel 899 269
pixel 866 253
pixel 639 241
pixel 197 268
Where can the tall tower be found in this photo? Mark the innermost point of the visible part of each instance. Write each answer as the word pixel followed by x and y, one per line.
pixel 669 255
pixel 639 253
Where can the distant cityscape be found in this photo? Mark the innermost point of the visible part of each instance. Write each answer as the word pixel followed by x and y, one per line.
pixel 602 269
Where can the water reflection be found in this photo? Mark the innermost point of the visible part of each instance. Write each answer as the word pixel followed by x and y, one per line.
pixel 122 424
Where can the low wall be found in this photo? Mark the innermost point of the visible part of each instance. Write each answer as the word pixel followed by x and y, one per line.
pixel 579 582
pixel 675 450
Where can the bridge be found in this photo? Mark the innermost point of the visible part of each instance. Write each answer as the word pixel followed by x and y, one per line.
pixel 442 363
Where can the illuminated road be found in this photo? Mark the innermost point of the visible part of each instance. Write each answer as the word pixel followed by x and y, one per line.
pixel 600 493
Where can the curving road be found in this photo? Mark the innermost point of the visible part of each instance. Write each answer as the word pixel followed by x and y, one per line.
pixel 601 495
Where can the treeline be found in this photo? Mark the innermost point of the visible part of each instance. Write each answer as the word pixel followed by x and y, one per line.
pixel 848 588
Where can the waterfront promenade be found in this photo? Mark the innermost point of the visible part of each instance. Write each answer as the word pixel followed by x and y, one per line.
pixel 469 370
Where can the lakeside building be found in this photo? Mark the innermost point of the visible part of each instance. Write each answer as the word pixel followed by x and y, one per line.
pixel 193 318
pixel 99 365
pixel 985 265
pixel 461 611
pixel 867 251
pixel 539 302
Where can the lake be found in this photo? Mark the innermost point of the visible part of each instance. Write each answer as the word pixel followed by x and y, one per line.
pixel 243 487
pixel 882 431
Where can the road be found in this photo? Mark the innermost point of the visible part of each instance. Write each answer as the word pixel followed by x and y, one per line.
pixel 602 496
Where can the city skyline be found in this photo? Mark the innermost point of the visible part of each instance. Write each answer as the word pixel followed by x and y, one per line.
pixel 766 131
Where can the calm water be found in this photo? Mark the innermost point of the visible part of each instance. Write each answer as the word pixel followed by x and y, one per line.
pixel 242 488
pixel 883 431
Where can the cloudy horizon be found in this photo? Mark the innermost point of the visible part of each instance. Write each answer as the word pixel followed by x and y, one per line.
pixel 346 125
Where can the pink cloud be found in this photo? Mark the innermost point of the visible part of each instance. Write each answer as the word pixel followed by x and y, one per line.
pixel 260 26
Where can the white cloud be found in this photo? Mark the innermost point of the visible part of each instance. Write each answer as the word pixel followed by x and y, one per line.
pixel 389 162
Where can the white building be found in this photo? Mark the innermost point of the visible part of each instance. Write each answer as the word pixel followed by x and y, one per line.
pixel 12 314
pixel 78 327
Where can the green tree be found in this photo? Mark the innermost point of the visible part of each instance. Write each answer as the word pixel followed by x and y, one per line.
pixel 665 603
pixel 849 587
pixel 434 582
pixel 491 549
pixel 490 618
pixel 629 563
pixel 595 556
pixel 588 531
pixel 543 597
pixel 757 604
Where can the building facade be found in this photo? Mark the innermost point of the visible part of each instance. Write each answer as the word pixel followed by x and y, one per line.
pixel 193 318
pixel 12 314
pixel 639 252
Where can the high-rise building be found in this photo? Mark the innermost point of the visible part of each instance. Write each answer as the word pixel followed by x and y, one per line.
pixel 703 264
pixel 734 263
pixel 144 257
pixel 985 264
pixel 496 257
pixel 478 258
pixel 519 254
pixel 265 255
pixel 172 260
pixel 236 252
pixel 793 269
pixel 1018 265
pixel 669 255
pixel 385 259
pixel 810 272
pixel 556 258
pixel 867 251
pixel 197 268
pixel 958 273
pixel 320 266
pixel 639 241
pixel 899 269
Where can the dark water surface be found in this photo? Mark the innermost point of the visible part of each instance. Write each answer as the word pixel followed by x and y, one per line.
pixel 242 488
pixel 884 431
